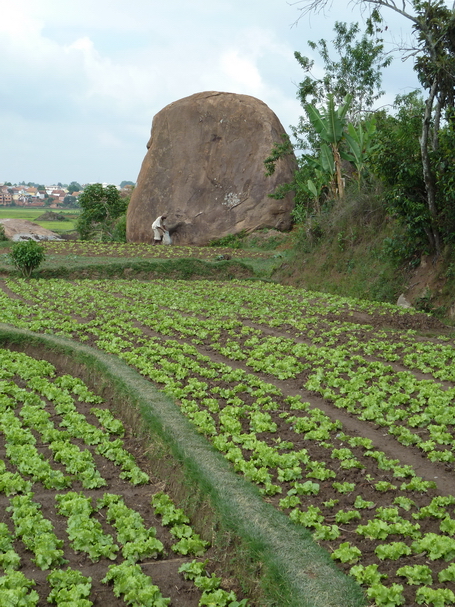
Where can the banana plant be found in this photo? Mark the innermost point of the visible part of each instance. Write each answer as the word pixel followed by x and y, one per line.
pixel 360 145
pixel 323 171
pixel 330 125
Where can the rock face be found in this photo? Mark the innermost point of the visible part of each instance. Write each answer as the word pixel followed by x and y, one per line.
pixel 204 169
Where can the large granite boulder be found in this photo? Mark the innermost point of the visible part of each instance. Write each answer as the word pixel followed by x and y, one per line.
pixel 204 169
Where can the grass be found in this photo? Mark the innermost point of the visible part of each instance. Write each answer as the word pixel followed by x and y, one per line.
pixel 342 252
pixel 57 226
pixel 361 273
pixel 31 214
pixel 75 266
pixel 126 261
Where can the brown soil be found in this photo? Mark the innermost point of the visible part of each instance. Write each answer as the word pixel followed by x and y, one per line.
pixel 162 570
pixel 438 472
pixel 14 227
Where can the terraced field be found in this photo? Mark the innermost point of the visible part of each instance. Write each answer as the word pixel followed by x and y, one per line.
pixel 82 523
pixel 341 412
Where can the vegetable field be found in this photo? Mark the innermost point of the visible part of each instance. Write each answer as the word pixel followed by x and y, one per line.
pixel 338 410
pixel 144 251
pixel 83 524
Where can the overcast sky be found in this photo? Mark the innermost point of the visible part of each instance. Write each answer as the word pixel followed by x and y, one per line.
pixel 80 80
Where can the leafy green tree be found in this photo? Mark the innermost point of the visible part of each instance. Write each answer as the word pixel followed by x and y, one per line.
pixel 70 201
pixel 355 75
pixel 444 159
pixel 396 161
pixel 357 71
pixel 433 26
pixel 119 232
pixel 74 187
pixel 27 256
pixel 101 208
pixel 361 142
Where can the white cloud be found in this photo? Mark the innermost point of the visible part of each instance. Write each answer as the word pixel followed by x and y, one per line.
pixel 82 80
pixel 241 71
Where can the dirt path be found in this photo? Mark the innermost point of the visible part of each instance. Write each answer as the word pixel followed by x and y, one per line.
pixel 441 474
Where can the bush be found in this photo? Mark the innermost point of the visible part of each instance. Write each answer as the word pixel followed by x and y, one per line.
pixel 101 207
pixel 119 231
pixel 233 241
pixel 26 256
pixel 2 233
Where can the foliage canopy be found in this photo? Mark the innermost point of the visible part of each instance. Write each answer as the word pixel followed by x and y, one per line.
pixel 27 256
pixel 101 209
pixel 433 26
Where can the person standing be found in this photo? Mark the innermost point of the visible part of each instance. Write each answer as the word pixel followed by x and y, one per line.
pixel 159 228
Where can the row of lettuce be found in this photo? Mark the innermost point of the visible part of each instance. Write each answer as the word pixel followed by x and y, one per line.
pixel 141 250
pixel 28 414
pixel 176 333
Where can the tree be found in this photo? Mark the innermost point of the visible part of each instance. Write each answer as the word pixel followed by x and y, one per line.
pixel 433 25
pixel 356 72
pixel 74 187
pixel 354 75
pixel 397 162
pixel 361 146
pixel 70 201
pixel 101 208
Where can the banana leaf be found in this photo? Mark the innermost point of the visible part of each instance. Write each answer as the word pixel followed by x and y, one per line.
pixel 326 159
pixel 312 188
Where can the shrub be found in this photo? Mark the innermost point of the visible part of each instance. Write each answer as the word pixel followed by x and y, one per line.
pixel 119 231
pixel 101 207
pixel 26 256
pixel 234 241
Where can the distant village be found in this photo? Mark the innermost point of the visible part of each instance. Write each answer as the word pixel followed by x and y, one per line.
pixel 53 196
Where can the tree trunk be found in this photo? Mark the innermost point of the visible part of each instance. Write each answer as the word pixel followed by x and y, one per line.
pixel 426 166
pixel 436 126
pixel 339 176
